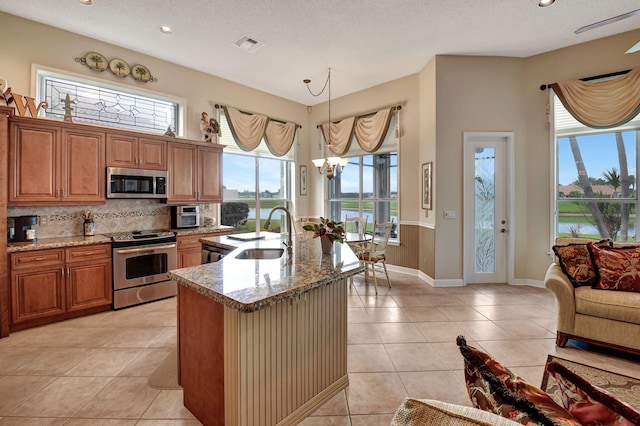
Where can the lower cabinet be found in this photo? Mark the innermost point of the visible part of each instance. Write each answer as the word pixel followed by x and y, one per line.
pixel 190 249
pixel 54 284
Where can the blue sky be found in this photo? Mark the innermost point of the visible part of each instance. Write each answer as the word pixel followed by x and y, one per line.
pixel 599 154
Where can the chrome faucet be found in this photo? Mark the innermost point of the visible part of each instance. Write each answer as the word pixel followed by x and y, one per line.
pixel 289 242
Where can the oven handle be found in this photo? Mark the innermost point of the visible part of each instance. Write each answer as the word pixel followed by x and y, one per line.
pixel 143 249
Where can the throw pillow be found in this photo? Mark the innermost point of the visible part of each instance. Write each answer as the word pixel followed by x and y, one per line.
pixel 575 261
pixel 420 412
pixel 590 404
pixel 494 388
pixel 617 268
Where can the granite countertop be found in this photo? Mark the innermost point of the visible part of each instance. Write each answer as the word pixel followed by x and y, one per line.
pixel 58 242
pixel 80 240
pixel 203 230
pixel 248 285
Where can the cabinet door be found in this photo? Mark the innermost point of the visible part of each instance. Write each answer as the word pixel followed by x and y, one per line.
pixel 122 151
pixel 37 293
pixel 152 154
pixel 189 250
pixel 83 167
pixel 34 164
pixel 182 175
pixel 88 285
pixel 210 174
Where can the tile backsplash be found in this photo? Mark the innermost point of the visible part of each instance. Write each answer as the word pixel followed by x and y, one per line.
pixel 114 216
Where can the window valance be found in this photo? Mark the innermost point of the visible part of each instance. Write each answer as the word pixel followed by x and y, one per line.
pixel 369 131
pixel 602 104
pixel 248 130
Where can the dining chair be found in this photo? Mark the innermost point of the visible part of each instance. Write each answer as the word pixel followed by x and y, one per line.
pixel 374 253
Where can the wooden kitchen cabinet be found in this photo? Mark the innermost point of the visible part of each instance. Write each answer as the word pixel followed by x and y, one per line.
pixel 88 277
pixel 134 152
pixel 195 173
pixel 55 284
pixel 53 164
pixel 189 250
pixel 37 285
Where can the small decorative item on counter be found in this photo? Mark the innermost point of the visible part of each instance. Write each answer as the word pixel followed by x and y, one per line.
pixel 328 231
pixel 89 224
pixel 31 234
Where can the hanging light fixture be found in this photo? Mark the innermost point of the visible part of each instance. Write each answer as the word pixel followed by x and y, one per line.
pixel 331 165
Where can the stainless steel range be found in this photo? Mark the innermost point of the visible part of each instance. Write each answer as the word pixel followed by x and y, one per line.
pixel 141 260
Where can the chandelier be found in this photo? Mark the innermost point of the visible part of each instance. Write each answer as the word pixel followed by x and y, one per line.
pixel 330 165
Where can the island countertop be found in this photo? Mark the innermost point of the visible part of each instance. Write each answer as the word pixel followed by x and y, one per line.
pixel 248 285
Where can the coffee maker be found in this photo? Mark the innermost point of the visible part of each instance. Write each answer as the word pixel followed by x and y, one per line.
pixel 18 226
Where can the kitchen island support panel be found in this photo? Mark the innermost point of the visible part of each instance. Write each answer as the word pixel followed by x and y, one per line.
pixel 272 366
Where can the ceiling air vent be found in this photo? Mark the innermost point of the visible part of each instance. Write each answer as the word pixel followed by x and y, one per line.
pixel 247 43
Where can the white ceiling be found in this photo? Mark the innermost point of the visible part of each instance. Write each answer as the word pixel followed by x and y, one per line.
pixel 365 42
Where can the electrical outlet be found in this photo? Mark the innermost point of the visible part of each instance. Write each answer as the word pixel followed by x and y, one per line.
pixel 449 214
pixel 42 220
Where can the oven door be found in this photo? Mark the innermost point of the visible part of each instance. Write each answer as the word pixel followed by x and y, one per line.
pixel 141 265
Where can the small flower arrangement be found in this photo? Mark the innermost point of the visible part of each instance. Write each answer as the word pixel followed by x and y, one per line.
pixel 329 229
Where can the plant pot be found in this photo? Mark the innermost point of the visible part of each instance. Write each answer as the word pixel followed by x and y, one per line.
pixel 327 246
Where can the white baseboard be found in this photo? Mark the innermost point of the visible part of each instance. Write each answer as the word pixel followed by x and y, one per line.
pixel 532 283
pixel 455 282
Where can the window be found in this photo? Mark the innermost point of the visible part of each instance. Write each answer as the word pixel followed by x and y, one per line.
pixel 596 174
pixel 254 182
pixel 98 102
pixel 368 184
pixel 367 187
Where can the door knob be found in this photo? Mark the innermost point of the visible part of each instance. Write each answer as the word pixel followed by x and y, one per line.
pixel 503 230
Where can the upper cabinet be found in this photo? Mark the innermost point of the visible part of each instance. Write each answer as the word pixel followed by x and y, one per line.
pixel 195 173
pixel 136 152
pixel 60 163
pixel 50 164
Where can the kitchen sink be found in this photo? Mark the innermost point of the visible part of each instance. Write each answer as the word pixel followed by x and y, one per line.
pixel 260 253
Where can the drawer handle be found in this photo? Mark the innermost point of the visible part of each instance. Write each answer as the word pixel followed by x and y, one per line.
pixel 39 258
pixel 89 253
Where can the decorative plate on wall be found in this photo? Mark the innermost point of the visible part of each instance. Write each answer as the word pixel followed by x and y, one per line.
pixel 119 67
pixel 96 61
pixel 141 73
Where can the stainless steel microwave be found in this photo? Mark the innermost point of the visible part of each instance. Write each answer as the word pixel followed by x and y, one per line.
pixel 136 183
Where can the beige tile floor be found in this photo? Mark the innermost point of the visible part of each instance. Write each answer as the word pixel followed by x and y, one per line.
pixel 93 370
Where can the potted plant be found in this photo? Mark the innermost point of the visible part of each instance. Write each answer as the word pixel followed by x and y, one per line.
pixel 328 231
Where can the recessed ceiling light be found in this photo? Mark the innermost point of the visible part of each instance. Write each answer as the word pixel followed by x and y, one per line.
pixel 165 29
pixel 545 3
pixel 86 2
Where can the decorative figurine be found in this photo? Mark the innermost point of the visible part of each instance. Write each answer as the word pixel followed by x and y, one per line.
pixel 209 127
pixel 67 108
pixel 169 132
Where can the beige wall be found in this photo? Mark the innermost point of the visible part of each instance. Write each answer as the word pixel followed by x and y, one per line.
pixel 450 95
pixel 585 60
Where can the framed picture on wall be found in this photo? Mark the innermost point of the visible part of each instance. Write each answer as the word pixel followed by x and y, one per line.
pixel 303 180
pixel 426 186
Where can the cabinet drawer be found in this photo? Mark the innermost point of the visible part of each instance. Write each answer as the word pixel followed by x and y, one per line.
pixel 37 258
pixel 189 241
pixel 84 253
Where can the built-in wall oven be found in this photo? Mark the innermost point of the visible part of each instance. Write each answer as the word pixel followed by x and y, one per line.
pixel 141 260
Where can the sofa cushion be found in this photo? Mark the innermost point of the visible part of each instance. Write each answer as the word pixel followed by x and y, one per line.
pixel 494 388
pixel 419 412
pixel 617 268
pixel 590 404
pixel 614 305
pixel 576 263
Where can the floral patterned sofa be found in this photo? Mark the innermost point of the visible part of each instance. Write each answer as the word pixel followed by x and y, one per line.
pixel 597 290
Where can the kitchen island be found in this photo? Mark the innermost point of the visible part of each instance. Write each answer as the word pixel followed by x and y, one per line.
pixel 263 341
